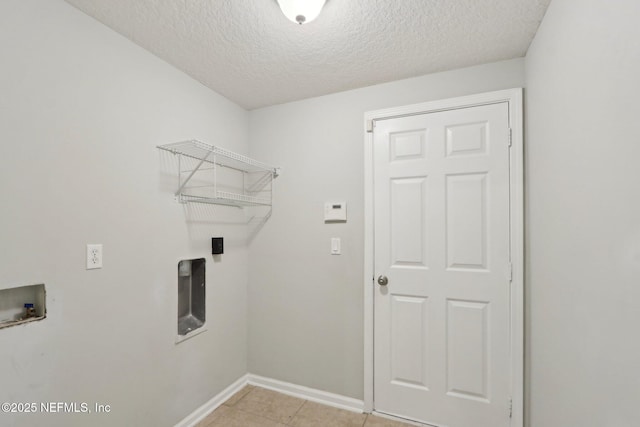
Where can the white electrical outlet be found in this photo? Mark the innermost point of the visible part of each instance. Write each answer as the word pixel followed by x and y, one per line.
pixel 94 256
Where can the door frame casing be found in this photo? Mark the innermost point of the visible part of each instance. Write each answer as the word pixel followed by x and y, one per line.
pixel 516 205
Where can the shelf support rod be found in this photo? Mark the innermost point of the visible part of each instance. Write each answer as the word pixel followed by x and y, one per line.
pixel 192 172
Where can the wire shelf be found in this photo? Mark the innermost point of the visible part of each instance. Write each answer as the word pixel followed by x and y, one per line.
pixel 224 198
pixel 208 153
pixel 200 167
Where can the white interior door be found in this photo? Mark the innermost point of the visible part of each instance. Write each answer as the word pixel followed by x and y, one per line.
pixel 441 224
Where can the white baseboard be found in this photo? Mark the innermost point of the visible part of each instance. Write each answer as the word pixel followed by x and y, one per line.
pixel 199 414
pixel 306 393
pixel 302 392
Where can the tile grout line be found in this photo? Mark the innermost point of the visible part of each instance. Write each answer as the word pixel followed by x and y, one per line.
pixel 294 415
pixel 234 407
pixel 285 423
pixel 289 422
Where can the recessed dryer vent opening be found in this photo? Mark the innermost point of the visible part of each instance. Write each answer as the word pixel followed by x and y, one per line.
pixel 191 297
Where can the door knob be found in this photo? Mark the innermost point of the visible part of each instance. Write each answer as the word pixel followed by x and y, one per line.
pixel 382 280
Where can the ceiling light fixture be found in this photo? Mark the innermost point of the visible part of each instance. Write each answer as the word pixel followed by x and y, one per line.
pixel 301 11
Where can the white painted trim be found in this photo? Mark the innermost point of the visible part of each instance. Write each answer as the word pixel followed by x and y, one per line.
pixel 516 115
pixel 368 266
pixel 302 392
pixel 514 98
pixel 306 393
pixel 199 414
pixel 444 105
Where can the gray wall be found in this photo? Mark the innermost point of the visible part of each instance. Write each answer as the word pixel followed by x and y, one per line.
pixel 583 215
pixel 81 111
pixel 305 305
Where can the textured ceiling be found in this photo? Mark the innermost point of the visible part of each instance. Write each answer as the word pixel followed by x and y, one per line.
pixel 249 52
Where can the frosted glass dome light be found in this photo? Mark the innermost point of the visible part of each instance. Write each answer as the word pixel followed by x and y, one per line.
pixel 301 11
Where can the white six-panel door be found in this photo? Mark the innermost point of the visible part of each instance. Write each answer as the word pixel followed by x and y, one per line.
pixel 441 231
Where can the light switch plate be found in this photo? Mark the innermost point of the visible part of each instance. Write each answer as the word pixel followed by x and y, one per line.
pixel 335 246
pixel 94 256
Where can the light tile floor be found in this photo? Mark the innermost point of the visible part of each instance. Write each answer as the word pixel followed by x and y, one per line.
pixel 257 407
